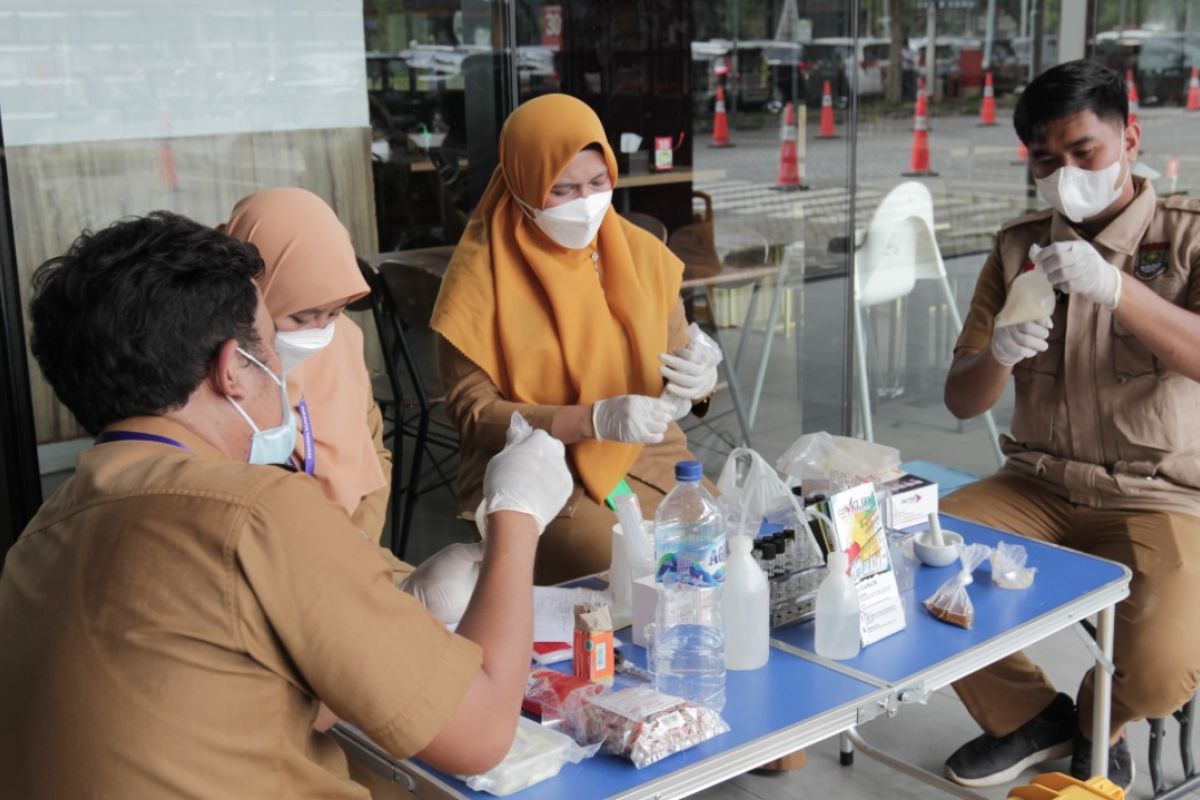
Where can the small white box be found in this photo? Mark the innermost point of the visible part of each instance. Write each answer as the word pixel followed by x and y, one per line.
pixel 645 604
pixel 913 499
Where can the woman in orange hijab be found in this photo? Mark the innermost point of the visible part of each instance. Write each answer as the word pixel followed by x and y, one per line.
pixel 556 307
pixel 311 276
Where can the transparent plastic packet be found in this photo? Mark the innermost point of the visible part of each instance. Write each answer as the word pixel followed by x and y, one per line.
pixel 645 726
pixel 826 464
pixel 951 603
pixel 1008 567
pixel 537 754
pixel 708 351
pixel 558 697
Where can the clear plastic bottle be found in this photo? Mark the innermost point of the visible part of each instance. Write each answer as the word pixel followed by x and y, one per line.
pixel 837 612
pixel 689 541
pixel 747 609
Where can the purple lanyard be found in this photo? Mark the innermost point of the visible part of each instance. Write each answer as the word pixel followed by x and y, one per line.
pixel 310 453
pixel 137 436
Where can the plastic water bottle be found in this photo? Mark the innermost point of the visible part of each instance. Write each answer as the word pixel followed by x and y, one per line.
pixel 689 543
pixel 837 612
pixel 747 608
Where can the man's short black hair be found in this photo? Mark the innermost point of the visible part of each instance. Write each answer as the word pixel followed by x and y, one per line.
pixel 127 322
pixel 1066 89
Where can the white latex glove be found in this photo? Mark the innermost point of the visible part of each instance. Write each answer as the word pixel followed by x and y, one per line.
pixel 689 373
pixel 632 418
pixel 1076 268
pixel 1015 343
pixel 529 475
pixel 445 581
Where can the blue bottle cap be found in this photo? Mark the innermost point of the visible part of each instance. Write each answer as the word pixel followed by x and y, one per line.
pixel 688 471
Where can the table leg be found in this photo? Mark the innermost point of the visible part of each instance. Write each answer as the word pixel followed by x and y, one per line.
pixel 911 770
pixel 747 323
pixel 1102 707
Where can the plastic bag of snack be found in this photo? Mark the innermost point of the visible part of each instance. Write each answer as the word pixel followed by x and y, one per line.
pixel 557 697
pixel 645 726
pixel 951 603
pixel 1008 567
pixel 537 753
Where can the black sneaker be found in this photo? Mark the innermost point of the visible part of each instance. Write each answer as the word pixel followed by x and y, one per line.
pixel 1120 762
pixel 990 761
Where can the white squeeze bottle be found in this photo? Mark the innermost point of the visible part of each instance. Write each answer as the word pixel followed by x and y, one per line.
pixel 747 608
pixel 689 546
pixel 837 612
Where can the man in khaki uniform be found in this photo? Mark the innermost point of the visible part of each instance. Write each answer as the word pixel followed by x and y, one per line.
pixel 173 616
pixel 1104 455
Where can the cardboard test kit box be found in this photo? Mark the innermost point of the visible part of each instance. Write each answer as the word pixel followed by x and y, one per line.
pixel 913 500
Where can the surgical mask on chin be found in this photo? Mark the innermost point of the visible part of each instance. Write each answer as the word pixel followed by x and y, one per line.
pixel 1080 194
pixel 572 225
pixel 294 347
pixel 273 445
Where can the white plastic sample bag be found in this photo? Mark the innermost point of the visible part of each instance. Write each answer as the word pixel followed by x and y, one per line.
pixel 824 463
pixel 1030 297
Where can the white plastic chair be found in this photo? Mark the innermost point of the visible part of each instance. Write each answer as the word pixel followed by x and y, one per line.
pixel 898 250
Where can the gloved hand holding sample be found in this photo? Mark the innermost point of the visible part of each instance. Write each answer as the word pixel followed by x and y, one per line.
pixel 1078 269
pixel 445 581
pixel 529 475
pixel 691 371
pixel 632 418
pixel 1015 343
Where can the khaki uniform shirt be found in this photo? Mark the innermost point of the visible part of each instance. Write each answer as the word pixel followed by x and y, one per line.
pixel 482 415
pixel 1097 416
pixel 170 617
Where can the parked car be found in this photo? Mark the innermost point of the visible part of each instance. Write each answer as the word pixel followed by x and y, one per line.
pixel 712 65
pixel 1161 61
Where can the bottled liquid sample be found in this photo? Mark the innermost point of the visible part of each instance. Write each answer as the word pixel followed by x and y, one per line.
pixel 837 612
pixel 690 547
pixel 747 609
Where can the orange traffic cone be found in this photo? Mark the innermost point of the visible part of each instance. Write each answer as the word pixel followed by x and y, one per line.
pixel 789 168
pixel 918 164
pixel 1022 153
pixel 720 137
pixel 1193 95
pixel 827 129
pixel 1133 96
pixel 987 111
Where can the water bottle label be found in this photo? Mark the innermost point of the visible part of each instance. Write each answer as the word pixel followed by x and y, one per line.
pixel 697 565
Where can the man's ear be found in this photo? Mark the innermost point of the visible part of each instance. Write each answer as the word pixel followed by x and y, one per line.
pixel 227 375
pixel 1133 140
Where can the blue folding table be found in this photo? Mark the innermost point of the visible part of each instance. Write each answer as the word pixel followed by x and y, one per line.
pixel 800 698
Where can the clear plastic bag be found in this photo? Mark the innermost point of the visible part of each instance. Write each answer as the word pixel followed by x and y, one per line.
pixel 951 603
pixel 825 464
pixel 645 726
pixel 1030 297
pixel 1008 567
pixel 708 351
pixel 537 753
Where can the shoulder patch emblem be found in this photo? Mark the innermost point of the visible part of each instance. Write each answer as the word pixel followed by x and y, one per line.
pixel 1151 260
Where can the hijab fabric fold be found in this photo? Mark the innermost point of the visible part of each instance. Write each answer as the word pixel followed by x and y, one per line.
pixel 534 315
pixel 310 262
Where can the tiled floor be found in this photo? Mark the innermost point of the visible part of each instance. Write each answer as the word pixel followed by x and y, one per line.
pixel 917 423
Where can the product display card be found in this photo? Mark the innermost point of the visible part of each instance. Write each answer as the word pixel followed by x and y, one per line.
pixel 858 531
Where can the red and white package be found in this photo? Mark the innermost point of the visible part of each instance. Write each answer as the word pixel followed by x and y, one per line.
pixel 556 696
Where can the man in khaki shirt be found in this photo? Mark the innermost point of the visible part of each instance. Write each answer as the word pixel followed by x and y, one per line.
pixel 174 616
pixel 1104 455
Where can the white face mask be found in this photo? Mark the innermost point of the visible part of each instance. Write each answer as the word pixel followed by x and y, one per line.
pixel 294 347
pixel 572 225
pixel 1080 194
